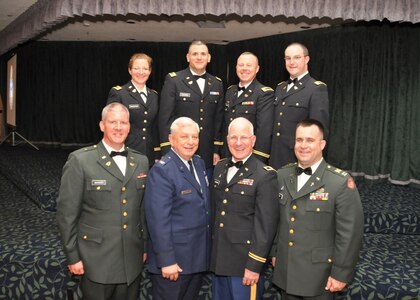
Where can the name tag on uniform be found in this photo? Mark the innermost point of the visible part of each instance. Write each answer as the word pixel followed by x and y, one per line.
pixel 248 103
pixel 133 106
pixel 184 94
pixel 214 93
pixel 98 182
pixel 186 192
pixel 141 175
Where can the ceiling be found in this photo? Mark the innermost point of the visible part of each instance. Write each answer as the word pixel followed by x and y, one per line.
pixel 154 28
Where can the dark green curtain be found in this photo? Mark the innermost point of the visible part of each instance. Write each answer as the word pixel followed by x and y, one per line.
pixel 373 75
pixel 372 71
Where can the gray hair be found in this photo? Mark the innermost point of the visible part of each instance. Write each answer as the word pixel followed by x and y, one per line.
pixel 114 106
pixel 183 122
pixel 242 120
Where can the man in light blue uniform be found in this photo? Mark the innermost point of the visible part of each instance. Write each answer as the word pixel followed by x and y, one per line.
pixel 178 213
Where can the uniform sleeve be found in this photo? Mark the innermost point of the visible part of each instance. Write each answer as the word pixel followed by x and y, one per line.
pixel 349 232
pixel 264 125
pixel 158 207
pixel 69 205
pixel 166 112
pixel 218 122
pixel 265 222
pixel 319 107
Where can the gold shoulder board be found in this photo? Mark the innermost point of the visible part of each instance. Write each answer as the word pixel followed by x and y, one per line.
pixel 319 83
pixel 268 168
pixel 172 74
pixel 117 87
pixel 267 89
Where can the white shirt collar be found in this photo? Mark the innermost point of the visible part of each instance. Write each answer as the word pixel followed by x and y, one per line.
pixel 109 148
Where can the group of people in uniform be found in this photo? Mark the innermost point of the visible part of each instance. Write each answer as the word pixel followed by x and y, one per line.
pixel 196 180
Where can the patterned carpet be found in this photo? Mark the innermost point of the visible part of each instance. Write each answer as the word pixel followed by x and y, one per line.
pixel 32 264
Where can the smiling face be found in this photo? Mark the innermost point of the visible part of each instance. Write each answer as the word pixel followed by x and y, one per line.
pixel 241 139
pixel 309 144
pixel 247 68
pixel 184 139
pixel 296 60
pixel 140 71
pixel 115 125
pixel 198 57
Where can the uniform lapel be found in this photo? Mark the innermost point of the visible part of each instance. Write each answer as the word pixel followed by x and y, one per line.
pixel 108 163
pixel 246 93
pixel 244 172
pixel 185 172
pixel 134 93
pixel 131 166
pixel 314 182
pixel 192 83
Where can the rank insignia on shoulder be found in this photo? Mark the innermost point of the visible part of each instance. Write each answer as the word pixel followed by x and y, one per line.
pixel 267 89
pixel 230 86
pixel 172 74
pixel 117 88
pixel 154 91
pixel 281 82
pixel 319 83
pixel 269 168
pixel 218 78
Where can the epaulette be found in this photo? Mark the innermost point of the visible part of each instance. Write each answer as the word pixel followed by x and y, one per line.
pixel 172 74
pixel 196 155
pixel 134 150
pixel 294 164
pixel 154 91
pixel 230 86
pixel 164 160
pixel 281 82
pixel 319 83
pixel 269 168
pixel 222 159
pixel 117 88
pixel 267 89
pixel 90 148
pixel 85 149
pixel 218 78
pixel 337 171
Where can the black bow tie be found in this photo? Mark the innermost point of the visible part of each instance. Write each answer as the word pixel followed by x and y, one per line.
pixel 237 164
pixel 290 80
pixel 241 88
pixel 196 77
pixel 115 153
pixel 307 171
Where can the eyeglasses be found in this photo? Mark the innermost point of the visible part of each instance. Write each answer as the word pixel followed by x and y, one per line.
pixel 294 58
pixel 141 69
pixel 235 138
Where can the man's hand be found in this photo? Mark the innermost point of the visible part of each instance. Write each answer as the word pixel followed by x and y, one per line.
pixel 216 158
pixel 334 285
pixel 171 272
pixel 250 277
pixel 273 261
pixel 77 268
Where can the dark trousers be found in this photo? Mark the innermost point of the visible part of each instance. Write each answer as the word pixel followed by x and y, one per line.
pixel 231 288
pixel 187 287
pixel 324 296
pixel 98 291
